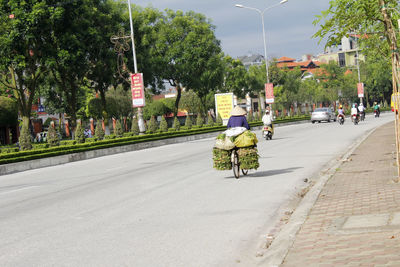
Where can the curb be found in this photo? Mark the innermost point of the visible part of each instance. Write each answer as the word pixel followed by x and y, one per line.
pixel 58 160
pixel 282 243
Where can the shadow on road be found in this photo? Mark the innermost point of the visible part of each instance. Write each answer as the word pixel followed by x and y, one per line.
pixel 266 173
pixel 273 172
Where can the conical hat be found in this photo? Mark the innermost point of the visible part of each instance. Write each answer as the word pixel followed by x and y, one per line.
pixel 238 111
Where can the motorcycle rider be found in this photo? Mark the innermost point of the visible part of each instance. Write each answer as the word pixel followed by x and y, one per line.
pixel 268 118
pixel 377 109
pixel 354 111
pixel 340 112
pixel 361 109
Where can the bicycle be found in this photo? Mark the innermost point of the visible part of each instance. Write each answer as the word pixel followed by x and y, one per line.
pixel 236 164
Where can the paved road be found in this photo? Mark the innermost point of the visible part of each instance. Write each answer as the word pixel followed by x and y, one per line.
pixel 163 206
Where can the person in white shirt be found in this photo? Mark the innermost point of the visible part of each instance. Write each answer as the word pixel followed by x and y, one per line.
pixel 361 110
pixel 267 118
pixel 354 111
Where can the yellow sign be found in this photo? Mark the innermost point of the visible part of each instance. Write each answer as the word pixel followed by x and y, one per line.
pixel 224 105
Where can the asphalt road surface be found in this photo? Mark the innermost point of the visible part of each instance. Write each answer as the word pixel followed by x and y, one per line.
pixel 163 206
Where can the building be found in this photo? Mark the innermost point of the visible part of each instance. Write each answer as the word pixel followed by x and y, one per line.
pixel 252 59
pixel 290 63
pixel 346 55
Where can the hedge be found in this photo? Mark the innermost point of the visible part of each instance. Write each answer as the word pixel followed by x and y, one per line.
pixel 69 147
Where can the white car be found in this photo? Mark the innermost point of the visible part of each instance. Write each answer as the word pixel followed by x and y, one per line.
pixel 323 114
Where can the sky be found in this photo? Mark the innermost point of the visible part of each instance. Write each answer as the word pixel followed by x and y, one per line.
pixel 289 28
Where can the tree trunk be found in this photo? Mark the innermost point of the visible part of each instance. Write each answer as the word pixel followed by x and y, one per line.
pixel 178 98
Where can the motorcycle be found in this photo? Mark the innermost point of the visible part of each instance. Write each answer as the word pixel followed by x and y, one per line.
pixel 267 132
pixel 355 118
pixel 341 120
pixel 376 113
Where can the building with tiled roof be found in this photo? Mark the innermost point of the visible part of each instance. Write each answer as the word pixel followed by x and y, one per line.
pixel 290 63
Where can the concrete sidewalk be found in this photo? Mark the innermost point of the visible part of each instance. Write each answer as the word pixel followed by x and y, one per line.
pixel 356 218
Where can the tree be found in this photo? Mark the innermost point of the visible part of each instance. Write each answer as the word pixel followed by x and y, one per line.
pixel 176 125
pixel 8 111
pixel 24 47
pixel 235 77
pixel 79 134
pixel 188 122
pixel 154 108
pixel 152 126
pixel 102 72
pixel 52 136
pixel 184 43
pixel 286 93
pixel 118 132
pixel 25 142
pixel 99 132
pixel 163 124
pixel 121 102
pixel 199 120
pixel 94 108
pixel 135 127
pixel 369 19
pixel 190 102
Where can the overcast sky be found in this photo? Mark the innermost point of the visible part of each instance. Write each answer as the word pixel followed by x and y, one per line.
pixel 289 27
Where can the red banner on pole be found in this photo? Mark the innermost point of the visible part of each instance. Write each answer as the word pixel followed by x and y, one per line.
pixel 269 93
pixel 360 89
pixel 137 89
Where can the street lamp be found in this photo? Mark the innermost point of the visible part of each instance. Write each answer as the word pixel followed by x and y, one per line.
pixel 262 20
pixel 142 128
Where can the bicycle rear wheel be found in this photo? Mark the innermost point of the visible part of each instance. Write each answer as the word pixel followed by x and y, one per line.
pixel 235 165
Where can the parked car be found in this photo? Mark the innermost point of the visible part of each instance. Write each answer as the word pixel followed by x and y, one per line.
pixel 323 114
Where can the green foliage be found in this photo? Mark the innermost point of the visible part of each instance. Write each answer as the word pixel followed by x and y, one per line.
pixel 99 132
pixel 79 134
pixel 222 159
pixel 52 137
pixel 236 77
pixel 47 122
pixel 152 127
pixel 25 138
pixel 249 117
pixel 135 126
pixel 8 112
pixel 210 120
pixel 119 103
pixel 183 48
pixel 199 120
pixel 94 108
pixel 176 125
pixel 219 120
pixel 163 124
pixel 118 129
pixel 248 158
pixel 188 122
pixel 155 108
pixel 190 102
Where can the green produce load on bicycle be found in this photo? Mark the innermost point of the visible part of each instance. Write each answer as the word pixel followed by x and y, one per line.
pixel 236 147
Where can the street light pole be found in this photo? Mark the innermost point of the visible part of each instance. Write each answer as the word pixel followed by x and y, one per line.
pixel 142 127
pixel 263 27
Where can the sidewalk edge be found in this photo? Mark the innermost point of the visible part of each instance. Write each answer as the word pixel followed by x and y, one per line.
pixel 284 240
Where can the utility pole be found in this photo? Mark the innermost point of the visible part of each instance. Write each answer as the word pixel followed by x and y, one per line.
pixel 142 127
